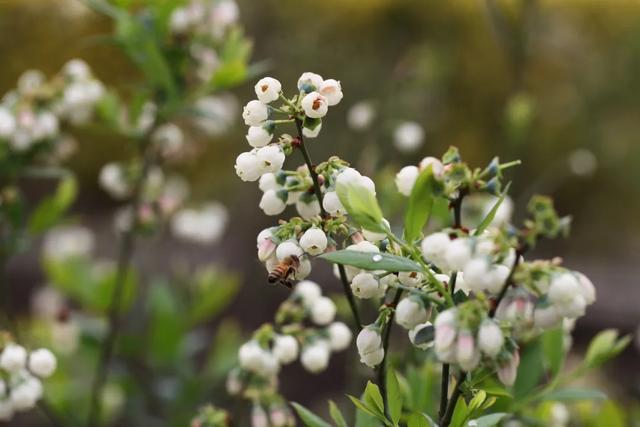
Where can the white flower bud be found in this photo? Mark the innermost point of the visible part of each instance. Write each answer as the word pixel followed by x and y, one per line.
pixel 308 210
pixel 361 115
pixel 13 358
pixel 271 158
pixel 309 82
pixel 323 311
pixel 490 338
pixel 369 343
pixel 496 279
pixel 374 236
pixel 312 133
pixel 271 204
pixel 268 89
pixel 331 90
pixel 258 136
pixel 248 166
pixel 250 356
pixel 7 123
pixel 436 165
pixel 475 274
pixel 410 312
pixel 546 317
pixel 563 289
pixel 339 336
pixel 314 241
pixel 587 290
pixel 315 357
pixel 365 285
pixel 315 105
pixel 308 291
pixel 331 203
pixel 254 113
pixel 179 20
pixel 288 249
pixel 113 180
pixel 268 181
pixel 406 179
pixel 466 350
pixel 408 136
pixel 25 395
pixel 458 254
pixel 413 333
pixel 42 363
pixel 285 348
pixel 412 279
pixel 508 371
pixel 259 417
pixel 434 247
pixel 445 335
pixel 304 269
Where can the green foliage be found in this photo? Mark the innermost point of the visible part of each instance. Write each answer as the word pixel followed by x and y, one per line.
pixel 426 188
pixel 362 206
pixel 336 415
pixel 603 347
pixel 309 418
pixel 487 220
pixel 371 261
pixel 50 211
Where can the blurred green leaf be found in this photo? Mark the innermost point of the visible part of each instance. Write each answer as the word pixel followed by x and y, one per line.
pixel 365 260
pixel 490 420
pixel 90 284
pixel 210 291
pixel 309 418
pixel 604 347
pixel 394 397
pixel 420 420
pixel 50 211
pixel 424 191
pixel 336 415
pixel 223 355
pixel 530 369
pixel 553 349
pixel 166 324
pixel 574 394
pixel 492 213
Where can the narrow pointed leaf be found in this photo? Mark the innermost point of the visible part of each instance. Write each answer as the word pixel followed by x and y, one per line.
pixel 371 260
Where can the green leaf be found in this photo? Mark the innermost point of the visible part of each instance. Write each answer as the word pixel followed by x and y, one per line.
pixel 553 349
pixel 603 347
pixel 211 291
pixel 492 213
pixel 420 420
pixel 574 394
pixel 530 370
pixel 363 406
pixel 394 397
pixel 477 400
pixel 373 398
pixel 426 188
pixel 50 210
pixel 460 413
pixel 490 420
pixel 365 260
pixel 309 418
pixel 363 207
pixel 336 415
pixel 166 326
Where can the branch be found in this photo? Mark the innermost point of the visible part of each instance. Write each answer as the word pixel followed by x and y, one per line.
pixel 125 255
pixel 318 192
pixel 445 420
pixel 382 368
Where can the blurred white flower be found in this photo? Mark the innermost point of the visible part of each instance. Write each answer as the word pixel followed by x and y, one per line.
pixel 408 137
pixel 204 226
pixel 361 115
pixel 68 241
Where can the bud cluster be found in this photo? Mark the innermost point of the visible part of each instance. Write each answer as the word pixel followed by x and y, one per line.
pixel 22 373
pixel 31 116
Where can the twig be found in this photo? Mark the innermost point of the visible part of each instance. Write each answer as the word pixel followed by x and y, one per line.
pixel 323 213
pixel 445 420
pixel 508 282
pixel 382 368
pixel 125 254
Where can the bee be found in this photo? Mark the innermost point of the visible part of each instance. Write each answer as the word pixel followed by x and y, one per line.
pixel 284 271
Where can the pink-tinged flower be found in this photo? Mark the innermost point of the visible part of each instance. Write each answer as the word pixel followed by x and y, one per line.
pixel 508 371
pixel 266 249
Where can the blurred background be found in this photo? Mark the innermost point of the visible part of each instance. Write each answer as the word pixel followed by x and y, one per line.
pixel 554 84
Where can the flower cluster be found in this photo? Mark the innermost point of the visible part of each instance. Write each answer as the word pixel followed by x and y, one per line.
pixel 32 114
pixel 306 108
pixel 22 372
pixel 202 25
